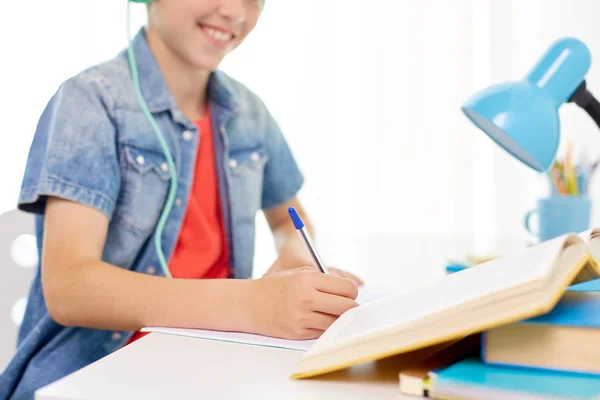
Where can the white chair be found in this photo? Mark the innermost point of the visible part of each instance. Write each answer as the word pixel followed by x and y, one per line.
pixel 18 260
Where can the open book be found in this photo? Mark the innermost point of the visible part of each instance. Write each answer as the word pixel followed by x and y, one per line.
pixel 501 291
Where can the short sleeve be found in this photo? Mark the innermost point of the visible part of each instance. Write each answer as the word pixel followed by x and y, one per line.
pixel 74 153
pixel 282 177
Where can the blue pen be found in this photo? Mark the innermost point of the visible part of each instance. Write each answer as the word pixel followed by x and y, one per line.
pixel 308 243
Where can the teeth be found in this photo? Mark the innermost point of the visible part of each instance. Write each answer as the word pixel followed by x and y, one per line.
pixel 218 34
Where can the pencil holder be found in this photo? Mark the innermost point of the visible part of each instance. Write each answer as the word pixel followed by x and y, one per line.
pixel 558 215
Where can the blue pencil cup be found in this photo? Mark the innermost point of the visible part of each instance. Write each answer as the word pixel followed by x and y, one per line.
pixel 558 215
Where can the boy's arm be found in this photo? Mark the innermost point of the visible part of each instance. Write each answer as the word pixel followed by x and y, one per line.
pixel 291 250
pixel 81 290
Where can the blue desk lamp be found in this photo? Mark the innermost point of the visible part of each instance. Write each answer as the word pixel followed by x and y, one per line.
pixel 522 117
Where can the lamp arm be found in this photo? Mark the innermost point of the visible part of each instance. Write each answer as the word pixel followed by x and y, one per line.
pixel 586 100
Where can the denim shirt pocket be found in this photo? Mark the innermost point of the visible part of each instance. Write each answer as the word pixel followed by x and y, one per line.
pixel 145 184
pixel 246 168
pixel 247 161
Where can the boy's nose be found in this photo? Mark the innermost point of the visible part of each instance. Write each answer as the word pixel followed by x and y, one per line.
pixel 233 10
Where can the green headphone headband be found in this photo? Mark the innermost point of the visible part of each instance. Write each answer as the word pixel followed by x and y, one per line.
pixel 163 144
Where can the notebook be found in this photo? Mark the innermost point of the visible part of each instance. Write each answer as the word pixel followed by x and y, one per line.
pixel 565 339
pixel 472 379
pixel 505 290
pixel 366 295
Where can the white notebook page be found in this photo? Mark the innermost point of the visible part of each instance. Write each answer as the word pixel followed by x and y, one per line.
pixel 365 296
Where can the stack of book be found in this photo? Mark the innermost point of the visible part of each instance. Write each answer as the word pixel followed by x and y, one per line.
pixel 556 355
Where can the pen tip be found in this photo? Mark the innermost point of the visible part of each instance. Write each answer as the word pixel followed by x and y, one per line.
pixel 298 224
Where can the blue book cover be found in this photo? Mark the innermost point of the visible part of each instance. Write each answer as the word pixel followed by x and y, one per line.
pixel 471 378
pixel 590 286
pixel 452 268
pixel 575 308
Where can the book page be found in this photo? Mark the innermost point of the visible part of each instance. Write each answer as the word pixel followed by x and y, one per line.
pixel 593 243
pixel 370 293
pixel 528 266
pixel 585 235
pixel 365 295
pixel 592 240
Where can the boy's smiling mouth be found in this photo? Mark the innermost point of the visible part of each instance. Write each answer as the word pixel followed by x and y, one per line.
pixel 216 36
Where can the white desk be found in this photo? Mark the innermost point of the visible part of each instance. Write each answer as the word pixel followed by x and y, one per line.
pixel 161 366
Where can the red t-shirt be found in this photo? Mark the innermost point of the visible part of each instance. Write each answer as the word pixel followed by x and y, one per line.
pixel 201 251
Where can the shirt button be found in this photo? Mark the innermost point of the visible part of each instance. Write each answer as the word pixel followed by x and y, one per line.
pixel 178 202
pixel 254 157
pixel 233 163
pixel 187 136
pixel 151 270
pixel 140 159
pixel 116 336
pixel 164 167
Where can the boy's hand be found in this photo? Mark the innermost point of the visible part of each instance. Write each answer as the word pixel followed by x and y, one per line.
pixel 288 261
pixel 348 275
pixel 299 303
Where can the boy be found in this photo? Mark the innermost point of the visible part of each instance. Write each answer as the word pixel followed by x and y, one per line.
pixel 98 179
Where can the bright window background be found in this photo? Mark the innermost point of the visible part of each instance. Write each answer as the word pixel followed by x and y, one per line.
pixel 386 179
pixel 368 95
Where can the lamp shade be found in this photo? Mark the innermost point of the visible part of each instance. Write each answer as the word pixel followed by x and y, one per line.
pixel 522 117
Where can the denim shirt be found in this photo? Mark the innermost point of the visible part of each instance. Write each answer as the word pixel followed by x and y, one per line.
pixel 94 146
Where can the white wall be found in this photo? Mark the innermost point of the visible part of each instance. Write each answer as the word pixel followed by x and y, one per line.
pixel 369 96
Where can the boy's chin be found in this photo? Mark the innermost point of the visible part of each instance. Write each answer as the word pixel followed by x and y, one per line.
pixel 206 64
